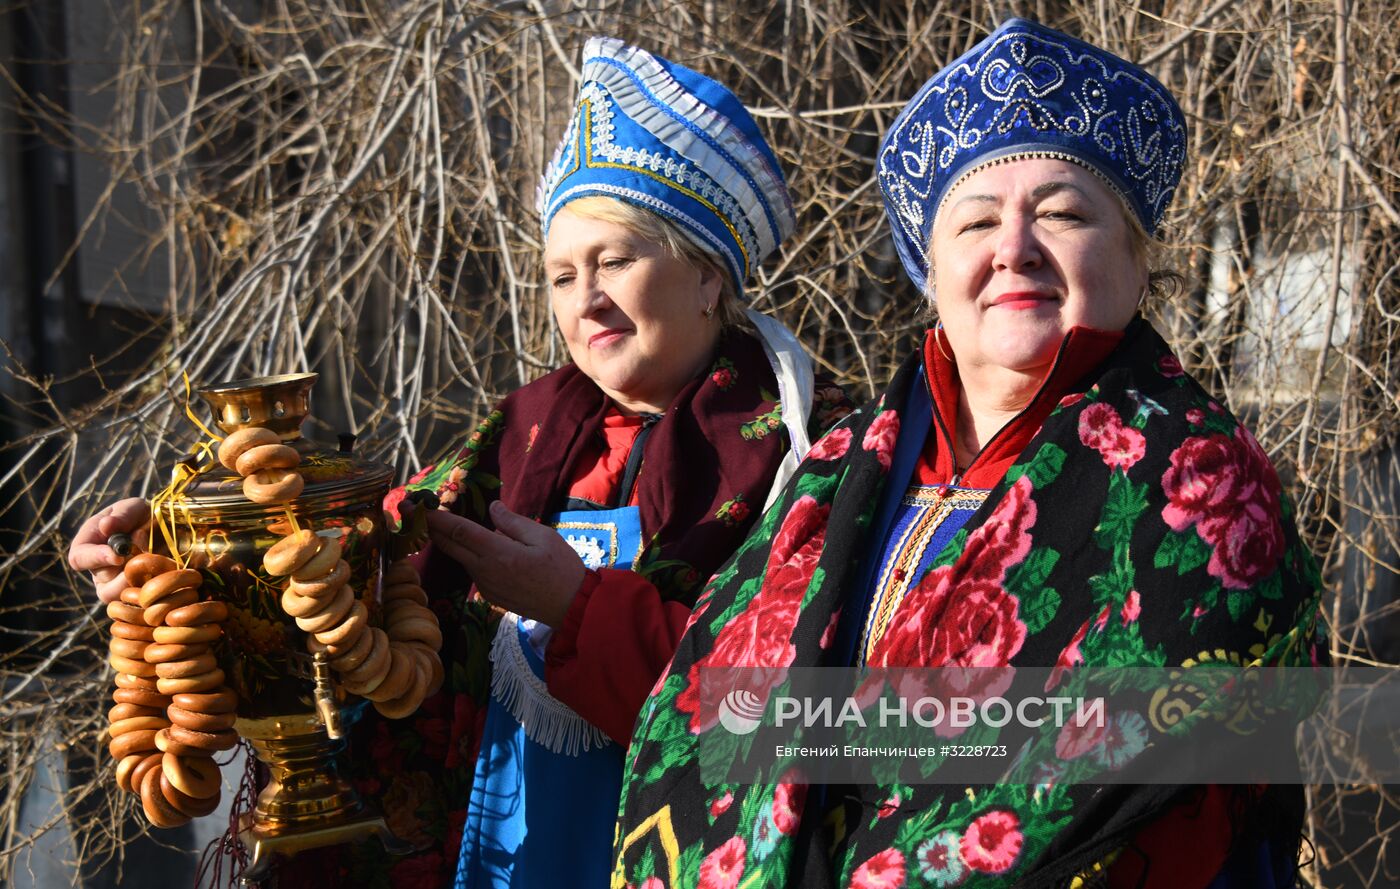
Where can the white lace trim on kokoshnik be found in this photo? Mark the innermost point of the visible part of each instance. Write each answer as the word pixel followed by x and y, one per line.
pixel 546 720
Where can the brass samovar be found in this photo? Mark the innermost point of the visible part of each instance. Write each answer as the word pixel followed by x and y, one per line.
pixel 290 710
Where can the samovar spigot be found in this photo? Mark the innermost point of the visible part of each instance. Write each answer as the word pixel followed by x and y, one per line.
pixel 326 706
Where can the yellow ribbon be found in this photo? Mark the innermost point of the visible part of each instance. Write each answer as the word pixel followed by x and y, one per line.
pixel 172 495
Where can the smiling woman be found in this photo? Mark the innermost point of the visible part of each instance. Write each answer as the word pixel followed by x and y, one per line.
pixel 1023 252
pixel 1040 485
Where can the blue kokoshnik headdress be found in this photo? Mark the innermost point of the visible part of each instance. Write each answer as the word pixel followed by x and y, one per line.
pixel 658 135
pixel 1029 91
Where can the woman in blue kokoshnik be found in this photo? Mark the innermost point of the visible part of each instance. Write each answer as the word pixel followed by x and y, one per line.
pixel 1041 485
pixel 590 505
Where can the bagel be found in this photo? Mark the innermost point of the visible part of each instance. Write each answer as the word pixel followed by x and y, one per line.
pixel 144 566
pixel 332 613
pixel 121 629
pixel 118 712
pixel 438 674
pixel 202 682
pixel 273 486
pixel 195 776
pixel 159 811
pixel 137 724
pixel 418 630
pixel 365 687
pixel 136 690
pixel 374 663
pixel 193 666
pixel 128 648
pixel 399 678
pixel 186 635
pixel 169 583
pixel 140 697
pixel 221 701
pixel 402 571
pixel 321 564
pixel 131 595
pixel 325 586
pixel 184 803
pixel 168 652
pixel 200 722
pixel 125 767
pixel 433 662
pixel 302 606
pixel 266 456
pixel 290 553
pixel 405 592
pixel 120 612
pixel 241 441
pixel 356 654
pixel 149 760
pixel 349 630
pixel 126 744
pixel 408 702
pixel 167 744
pixel 157 613
pixel 211 741
pixel 131 666
pixel 402 609
pixel 197 614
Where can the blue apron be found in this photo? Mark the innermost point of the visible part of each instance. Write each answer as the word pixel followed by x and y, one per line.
pixel 544 796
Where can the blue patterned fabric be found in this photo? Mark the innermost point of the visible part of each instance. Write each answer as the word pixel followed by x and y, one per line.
pixel 1029 91
pixel 662 137
pixel 560 832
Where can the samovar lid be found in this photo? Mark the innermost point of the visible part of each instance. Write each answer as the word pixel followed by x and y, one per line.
pixel 280 403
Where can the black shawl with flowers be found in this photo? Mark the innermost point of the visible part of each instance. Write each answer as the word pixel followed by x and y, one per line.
pixel 1142 525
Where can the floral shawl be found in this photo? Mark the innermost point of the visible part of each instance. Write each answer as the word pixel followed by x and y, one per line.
pixel 711 455
pixel 1141 526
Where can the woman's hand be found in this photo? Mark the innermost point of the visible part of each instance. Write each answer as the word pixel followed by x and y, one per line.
pixel 522 565
pixel 90 552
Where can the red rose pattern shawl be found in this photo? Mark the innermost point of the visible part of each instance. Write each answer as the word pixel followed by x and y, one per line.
pixel 1142 526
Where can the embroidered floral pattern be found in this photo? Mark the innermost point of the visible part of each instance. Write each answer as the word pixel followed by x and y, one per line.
pixel 724 374
pixel 764 423
pixel 723 867
pixel 992 842
pixel 788 801
pixel 733 511
pixel 1102 429
pixel 1226 487
pixel 881 436
pixel 939 860
pixel 832 446
pixel 882 871
pixel 761 637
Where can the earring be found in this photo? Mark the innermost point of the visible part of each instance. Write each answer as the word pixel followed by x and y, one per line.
pixel 709 311
pixel 938 341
